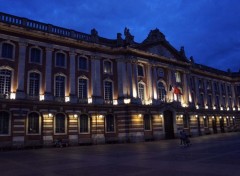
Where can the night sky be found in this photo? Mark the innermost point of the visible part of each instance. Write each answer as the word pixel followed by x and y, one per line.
pixel 209 30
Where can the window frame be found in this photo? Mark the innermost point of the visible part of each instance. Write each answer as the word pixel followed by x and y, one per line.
pixel 111 67
pixel 87 63
pixel 65 125
pixel 144 90
pixel 55 84
pixel 88 124
pixel 40 56
pixel 142 70
pixel 39 124
pixel 10 81
pixel 65 59
pixel 13 50
pixel 110 100
pixel 106 123
pixel 158 91
pixel 9 123
pixel 87 86
pixel 29 83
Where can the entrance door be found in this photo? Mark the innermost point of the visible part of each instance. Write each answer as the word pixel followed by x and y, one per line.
pixel 168 124
pixel 214 125
pixel 222 126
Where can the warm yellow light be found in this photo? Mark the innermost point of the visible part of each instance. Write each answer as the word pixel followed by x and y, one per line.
pixel 220 117
pixel 234 109
pixel 213 117
pixel 75 116
pixel 89 100
pixel 127 100
pixel 41 97
pixel 197 107
pixel 227 117
pixel 67 99
pixel 233 117
pixel 214 107
pixel 204 117
pixel 206 107
pixel 13 96
pixel 50 115
pixel 221 108
pixel 161 115
pixel 115 102
pixel 139 115
pixel 196 116
pixel 100 116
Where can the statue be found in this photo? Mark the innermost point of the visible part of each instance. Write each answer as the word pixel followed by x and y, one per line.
pixel 128 37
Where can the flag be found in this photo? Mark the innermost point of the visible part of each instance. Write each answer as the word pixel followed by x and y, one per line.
pixel 177 91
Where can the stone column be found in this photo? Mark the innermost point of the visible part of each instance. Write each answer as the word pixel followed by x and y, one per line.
pixel 97 97
pixel 20 94
pixel 122 83
pixel 129 80
pixel 213 94
pixel 48 94
pixel 185 89
pixel 134 82
pixel 149 83
pixel 72 95
pixel 154 83
pixel 196 90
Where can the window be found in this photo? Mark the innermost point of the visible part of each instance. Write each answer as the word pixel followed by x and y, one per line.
pixel 140 70
pixel 147 122
pixel 35 56
pixel 60 86
pixel 5 82
pixel 82 63
pixel 200 84
pixel 110 123
pixel 108 91
pixel 107 67
pixel 210 100
pixel 185 121
pixel 209 86
pixel 84 123
pixel 60 123
pixel 33 123
pixel 7 50
pixel 201 100
pixel 34 84
pixel 178 77
pixel 161 91
pixel 82 88
pixel 160 72
pixel 205 122
pixel 141 91
pixel 4 123
pixel 60 60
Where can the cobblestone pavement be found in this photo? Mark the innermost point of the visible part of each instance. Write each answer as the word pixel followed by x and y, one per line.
pixel 212 155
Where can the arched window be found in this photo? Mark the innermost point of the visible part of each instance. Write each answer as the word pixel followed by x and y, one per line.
pixel 4 123
pixel 82 88
pixel 7 50
pixel 147 122
pixel 60 86
pixel 107 67
pixel 60 123
pixel 5 82
pixel 33 123
pixel 140 70
pixel 110 123
pixel 35 55
pixel 161 91
pixel 82 63
pixel 108 91
pixel 141 91
pixel 34 84
pixel 60 60
pixel 84 123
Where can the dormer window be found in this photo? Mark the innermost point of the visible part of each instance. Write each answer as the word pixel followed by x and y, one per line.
pixel 107 67
pixel 60 60
pixel 140 70
pixel 35 55
pixel 82 63
pixel 7 50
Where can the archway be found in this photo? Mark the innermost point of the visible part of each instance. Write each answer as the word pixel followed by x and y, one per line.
pixel 168 124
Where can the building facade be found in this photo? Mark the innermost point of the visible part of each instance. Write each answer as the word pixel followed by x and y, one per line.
pixel 57 83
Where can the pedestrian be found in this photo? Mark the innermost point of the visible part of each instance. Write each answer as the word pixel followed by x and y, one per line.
pixel 181 137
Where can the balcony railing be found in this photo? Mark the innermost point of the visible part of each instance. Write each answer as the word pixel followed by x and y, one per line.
pixel 35 25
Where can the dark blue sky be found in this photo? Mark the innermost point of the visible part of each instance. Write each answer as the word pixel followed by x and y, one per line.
pixel 208 29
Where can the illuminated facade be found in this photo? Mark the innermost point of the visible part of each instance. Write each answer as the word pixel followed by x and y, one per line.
pixel 57 83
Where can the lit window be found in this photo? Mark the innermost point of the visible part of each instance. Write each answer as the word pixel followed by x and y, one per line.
pixel 4 123
pixel 33 123
pixel 141 91
pixel 107 67
pixel 160 72
pixel 140 70
pixel 60 126
pixel 110 123
pixel 161 91
pixel 147 122
pixel 34 84
pixel 84 123
pixel 108 91
pixel 60 86
pixel 82 63
pixel 7 50
pixel 82 88
pixel 35 56
pixel 5 82
pixel 178 77
pixel 60 60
